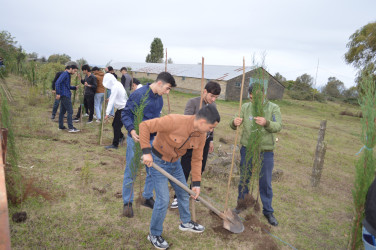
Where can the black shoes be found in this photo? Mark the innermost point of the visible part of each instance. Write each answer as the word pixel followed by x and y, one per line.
pixel 63 128
pixel 127 210
pixel 111 147
pixel 271 219
pixel 149 203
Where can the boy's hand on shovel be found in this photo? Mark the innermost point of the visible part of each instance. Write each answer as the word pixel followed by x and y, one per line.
pixel 147 159
pixel 197 191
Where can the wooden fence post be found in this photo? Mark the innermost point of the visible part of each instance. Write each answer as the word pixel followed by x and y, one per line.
pixel 4 221
pixel 4 139
pixel 318 163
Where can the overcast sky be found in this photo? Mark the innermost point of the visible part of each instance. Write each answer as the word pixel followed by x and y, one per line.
pixel 293 34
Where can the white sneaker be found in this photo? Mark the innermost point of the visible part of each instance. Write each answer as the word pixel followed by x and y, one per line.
pixel 73 130
pixel 86 114
pixel 174 204
pixel 98 121
pixel 158 241
pixel 192 227
pixel 94 116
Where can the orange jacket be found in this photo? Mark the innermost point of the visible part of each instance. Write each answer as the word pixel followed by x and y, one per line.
pixel 99 75
pixel 175 134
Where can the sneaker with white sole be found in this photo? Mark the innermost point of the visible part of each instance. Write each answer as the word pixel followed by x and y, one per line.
pixel 98 121
pixel 174 204
pixel 76 119
pixel 158 241
pixel 86 115
pixel 192 227
pixel 89 121
pixel 73 130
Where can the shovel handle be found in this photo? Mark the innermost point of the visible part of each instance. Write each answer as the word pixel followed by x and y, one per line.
pixel 177 182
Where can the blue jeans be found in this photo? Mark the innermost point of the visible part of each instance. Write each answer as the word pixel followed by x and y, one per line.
pixel 65 106
pixel 56 106
pixel 162 194
pixel 98 100
pixel 129 177
pixel 108 96
pixel 368 240
pixel 265 181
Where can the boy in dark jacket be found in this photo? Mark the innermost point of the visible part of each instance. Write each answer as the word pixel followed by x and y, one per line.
pixel 63 93
pixel 90 83
pixel 57 102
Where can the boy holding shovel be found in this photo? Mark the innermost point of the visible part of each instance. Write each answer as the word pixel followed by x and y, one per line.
pixel 175 135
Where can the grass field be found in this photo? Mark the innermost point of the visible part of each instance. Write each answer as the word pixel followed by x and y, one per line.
pixel 83 182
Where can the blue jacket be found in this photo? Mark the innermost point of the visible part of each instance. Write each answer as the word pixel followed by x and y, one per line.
pixel 62 85
pixel 153 108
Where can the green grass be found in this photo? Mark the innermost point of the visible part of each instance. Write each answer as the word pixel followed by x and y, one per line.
pixel 73 167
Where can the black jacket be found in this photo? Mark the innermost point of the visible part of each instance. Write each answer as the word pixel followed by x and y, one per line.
pixel 369 221
pixel 91 80
pixel 55 79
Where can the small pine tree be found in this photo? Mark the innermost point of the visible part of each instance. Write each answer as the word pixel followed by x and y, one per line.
pixel 138 113
pixel 366 164
pixel 253 149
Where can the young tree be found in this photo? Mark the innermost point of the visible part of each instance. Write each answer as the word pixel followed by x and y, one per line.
pixel 156 51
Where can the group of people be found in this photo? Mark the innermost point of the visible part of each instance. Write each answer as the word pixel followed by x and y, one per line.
pixel 94 95
pixel 179 144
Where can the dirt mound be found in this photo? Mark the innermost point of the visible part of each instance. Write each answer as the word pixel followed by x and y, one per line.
pixel 254 231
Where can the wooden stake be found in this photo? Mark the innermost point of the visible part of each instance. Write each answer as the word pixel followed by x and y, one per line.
pixel 82 107
pixel 236 137
pixel 193 202
pixel 202 82
pixel 168 97
pixel 166 61
pixel 103 112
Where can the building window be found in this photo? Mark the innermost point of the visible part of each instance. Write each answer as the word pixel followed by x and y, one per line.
pixel 238 84
pixel 147 74
pixel 183 78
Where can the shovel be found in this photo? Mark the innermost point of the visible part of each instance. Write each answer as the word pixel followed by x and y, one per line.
pixel 231 221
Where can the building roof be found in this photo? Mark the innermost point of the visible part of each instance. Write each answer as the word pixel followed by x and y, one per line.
pixel 212 72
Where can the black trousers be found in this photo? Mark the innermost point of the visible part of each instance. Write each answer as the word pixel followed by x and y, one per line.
pixel 85 106
pixel 117 125
pixel 90 105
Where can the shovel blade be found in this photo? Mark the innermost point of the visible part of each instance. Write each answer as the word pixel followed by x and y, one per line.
pixel 232 222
